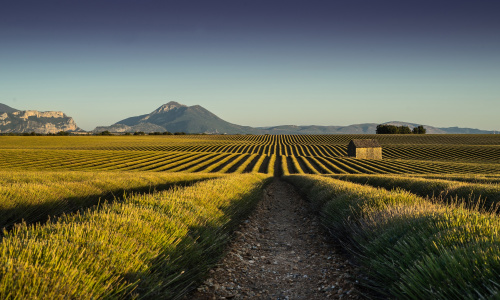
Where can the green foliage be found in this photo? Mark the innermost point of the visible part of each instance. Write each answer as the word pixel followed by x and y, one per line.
pixel 410 247
pixel 392 129
pixel 404 130
pixel 419 130
pixel 105 133
pixel 480 195
pixel 152 246
pixel 31 134
pixel 162 133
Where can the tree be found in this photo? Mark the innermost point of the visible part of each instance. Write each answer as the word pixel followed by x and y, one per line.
pixel 404 130
pixel 419 130
pixel 387 129
pixel 392 129
pixel 106 132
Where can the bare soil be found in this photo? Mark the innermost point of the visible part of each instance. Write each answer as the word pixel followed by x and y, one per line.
pixel 281 252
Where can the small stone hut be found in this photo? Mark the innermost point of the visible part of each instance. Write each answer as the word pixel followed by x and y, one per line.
pixel 366 149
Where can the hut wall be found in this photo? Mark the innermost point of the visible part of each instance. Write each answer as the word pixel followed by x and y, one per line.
pixel 351 150
pixel 369 153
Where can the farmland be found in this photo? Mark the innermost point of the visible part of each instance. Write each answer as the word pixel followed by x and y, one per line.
pixel 153 245
pixel 411 247
pixel 33 196
pixel 281 154
pixel 148 216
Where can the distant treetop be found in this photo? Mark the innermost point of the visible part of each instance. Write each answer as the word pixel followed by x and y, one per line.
pixel 392 129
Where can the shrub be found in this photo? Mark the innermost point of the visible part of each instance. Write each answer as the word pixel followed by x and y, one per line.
pixel 105 132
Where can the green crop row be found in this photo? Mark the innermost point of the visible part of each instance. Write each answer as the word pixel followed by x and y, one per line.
pixel 157 161
pixel 467 148
pixel 409 247
pixel 225 154
pixel 466 153
pixel 486 196
pixel 35 196
pixel 152 246
pixel 137 142
pixel 209 161
pixel 473 178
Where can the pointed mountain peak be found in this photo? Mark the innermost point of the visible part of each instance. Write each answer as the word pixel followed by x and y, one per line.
pixel 168 107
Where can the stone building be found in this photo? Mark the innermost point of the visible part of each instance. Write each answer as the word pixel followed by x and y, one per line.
pixel 366 149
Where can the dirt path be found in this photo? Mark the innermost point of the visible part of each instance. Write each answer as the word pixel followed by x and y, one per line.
pixel 280 252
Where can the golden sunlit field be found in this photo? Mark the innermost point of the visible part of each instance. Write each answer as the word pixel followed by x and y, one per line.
pixel 88 217
pixel 278 154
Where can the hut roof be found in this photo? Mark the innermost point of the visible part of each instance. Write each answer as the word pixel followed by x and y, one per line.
pixel 365 143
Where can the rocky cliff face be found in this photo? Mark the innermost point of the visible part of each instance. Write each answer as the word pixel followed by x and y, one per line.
pixel 15 121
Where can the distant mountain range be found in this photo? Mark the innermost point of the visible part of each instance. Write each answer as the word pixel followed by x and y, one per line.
pixel 21 121
pixel 175 117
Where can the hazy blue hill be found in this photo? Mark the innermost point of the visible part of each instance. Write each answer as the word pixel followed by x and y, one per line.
pixel 132 120
pixel 461 130
pixel 314 129
pixel 441 130
pixel 175 117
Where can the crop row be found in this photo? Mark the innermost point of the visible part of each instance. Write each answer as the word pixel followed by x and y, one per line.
pixel 409 247
pixel 414 152
pixel 473 178
pixel 343 139
pixel 156 245
pixel 7 142
pixel 418 152
pixel 484 195
pixel 32 196
pixel 454 154
pixel 226 163
pixel 465 148
pixel 137 161
pixel 446 152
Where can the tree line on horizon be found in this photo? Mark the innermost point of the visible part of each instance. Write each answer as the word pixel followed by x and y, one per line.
pixel 393 129
pixel 381 129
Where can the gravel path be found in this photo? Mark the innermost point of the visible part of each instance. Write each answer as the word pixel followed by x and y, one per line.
pixel 280 252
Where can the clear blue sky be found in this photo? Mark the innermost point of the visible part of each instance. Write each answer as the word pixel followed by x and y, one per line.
pixel 257 63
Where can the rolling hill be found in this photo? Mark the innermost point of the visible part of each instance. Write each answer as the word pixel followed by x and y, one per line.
pixel 175 117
